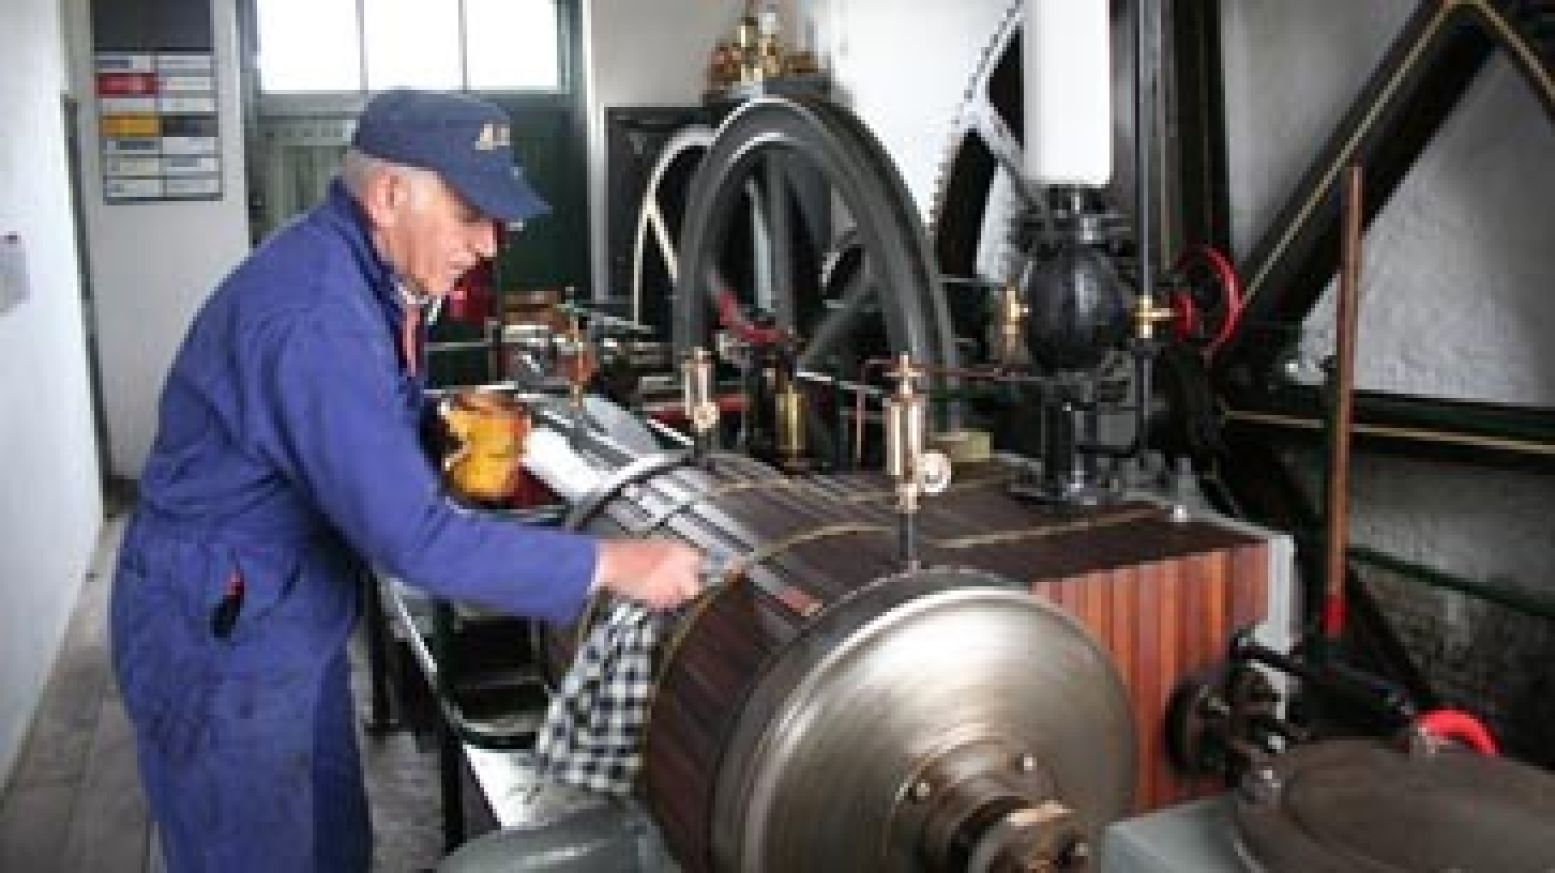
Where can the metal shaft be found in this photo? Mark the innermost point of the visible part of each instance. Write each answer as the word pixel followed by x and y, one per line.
pixel 1145 62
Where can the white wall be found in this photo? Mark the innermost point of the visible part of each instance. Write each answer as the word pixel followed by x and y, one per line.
pixel 1291 70
pixel 152 264
pixel 902 68
pixel 640 54
pixel 1456 270
pixel 644 54
pixel 1475 323
pixel 50 508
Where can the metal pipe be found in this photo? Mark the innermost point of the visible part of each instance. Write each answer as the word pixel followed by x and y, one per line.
pixel 1144 371
pixel 1333 677
pixel 1505 435
pixel 1525 602
pixel 840 404
pixel 1145 62
pixel 907 539
pixel 666 432
pixel 1342 386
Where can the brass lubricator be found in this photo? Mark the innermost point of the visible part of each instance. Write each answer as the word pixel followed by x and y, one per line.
pixel 696 391
pixel 1146 315
pixel 915 470
pixel 1010 317
pixel 747 41
pixel 575 359
pixel 789 404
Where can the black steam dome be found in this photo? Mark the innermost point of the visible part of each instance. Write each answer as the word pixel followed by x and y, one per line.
pixel 1077 305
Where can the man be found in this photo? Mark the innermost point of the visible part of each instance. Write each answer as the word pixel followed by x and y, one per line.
pixel 287 453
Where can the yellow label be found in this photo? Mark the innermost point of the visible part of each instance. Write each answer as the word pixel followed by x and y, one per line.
pixel 137 125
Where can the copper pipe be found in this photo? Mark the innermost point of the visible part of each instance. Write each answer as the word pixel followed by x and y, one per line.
pixel 1342 385
pixel 995 374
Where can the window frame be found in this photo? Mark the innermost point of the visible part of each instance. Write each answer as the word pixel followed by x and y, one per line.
pixel 351 101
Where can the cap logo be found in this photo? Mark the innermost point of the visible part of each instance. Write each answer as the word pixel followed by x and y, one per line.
pixel 493 136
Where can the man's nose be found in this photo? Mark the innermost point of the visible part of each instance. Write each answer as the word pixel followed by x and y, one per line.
pixel 485 238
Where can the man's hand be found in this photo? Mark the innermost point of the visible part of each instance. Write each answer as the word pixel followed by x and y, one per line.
pixel 659 574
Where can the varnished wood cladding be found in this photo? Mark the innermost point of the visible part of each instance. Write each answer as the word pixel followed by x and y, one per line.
pixel 1162 621
pixel 1162 597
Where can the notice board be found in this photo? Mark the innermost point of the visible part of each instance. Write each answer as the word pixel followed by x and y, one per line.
pixel 157 101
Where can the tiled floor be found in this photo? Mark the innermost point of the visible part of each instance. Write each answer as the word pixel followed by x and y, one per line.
pixel 73 802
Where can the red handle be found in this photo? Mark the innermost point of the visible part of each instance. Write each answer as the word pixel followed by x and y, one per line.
pixel 1455 724
pixel 1231 286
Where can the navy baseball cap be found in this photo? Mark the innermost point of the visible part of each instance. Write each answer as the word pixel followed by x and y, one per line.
pixel 467 141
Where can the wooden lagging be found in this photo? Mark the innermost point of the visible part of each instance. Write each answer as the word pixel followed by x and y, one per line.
pixel 1163 621
pixel 1162 598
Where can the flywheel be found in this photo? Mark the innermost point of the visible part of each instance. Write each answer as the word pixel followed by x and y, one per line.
pixel 807 166
pixel 659 218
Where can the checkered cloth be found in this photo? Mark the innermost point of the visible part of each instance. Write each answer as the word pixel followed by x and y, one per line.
pixel 592 736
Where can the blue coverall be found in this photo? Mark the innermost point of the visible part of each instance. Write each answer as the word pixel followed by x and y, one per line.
pixel 287 454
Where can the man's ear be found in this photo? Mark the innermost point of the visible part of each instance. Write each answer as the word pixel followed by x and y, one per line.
pixel 384 198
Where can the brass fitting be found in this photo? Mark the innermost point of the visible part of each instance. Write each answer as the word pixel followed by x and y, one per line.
pixel 1010 317
pixel 696 387
pixel 915 470
pixel 1146 315
pixel 790 403
pixel 575 359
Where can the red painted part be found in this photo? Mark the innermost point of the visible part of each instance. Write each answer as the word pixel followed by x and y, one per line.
pixel 1186 320
pixel 1455 724
pixel 1230 285
pixel 528 492
pixel 127 84
pixel 472 299
pixel 730 318
pixel 1333 617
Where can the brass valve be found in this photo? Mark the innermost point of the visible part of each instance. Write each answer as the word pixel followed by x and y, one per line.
pixel 696 384
pixel 1146 315
pixel 1010 316
pixel 789 402
pixel 915 470
pixel 575 359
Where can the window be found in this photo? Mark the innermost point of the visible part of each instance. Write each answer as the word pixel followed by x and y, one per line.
pixel 333 46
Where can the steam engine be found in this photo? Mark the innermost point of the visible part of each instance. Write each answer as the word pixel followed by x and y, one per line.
pixel 960 614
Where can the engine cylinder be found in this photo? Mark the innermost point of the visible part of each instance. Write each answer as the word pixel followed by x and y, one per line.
pixel 825 710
